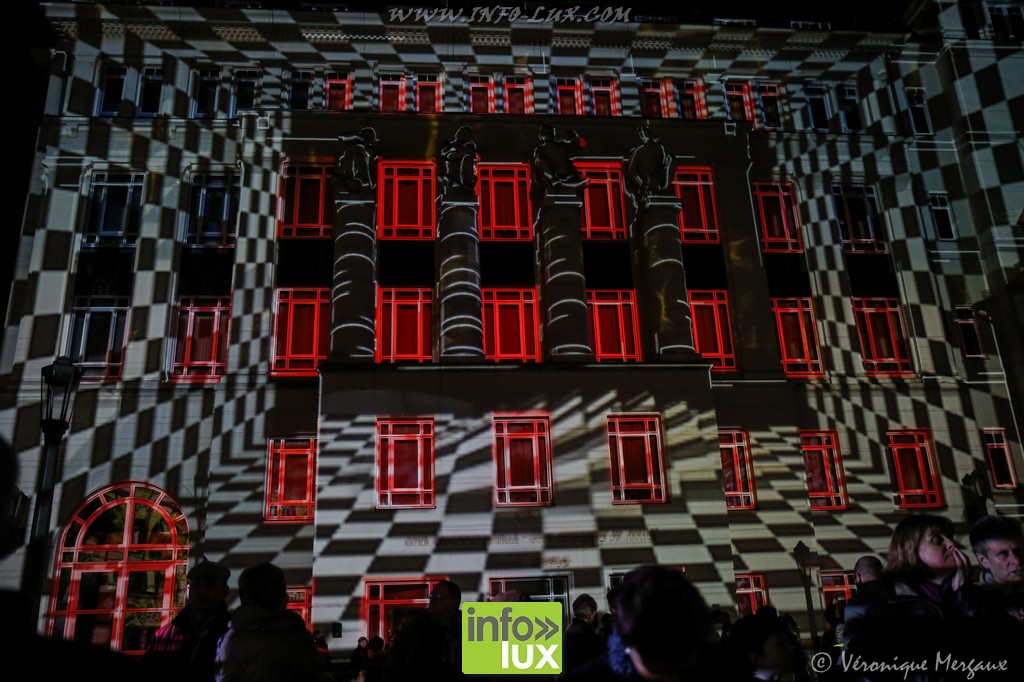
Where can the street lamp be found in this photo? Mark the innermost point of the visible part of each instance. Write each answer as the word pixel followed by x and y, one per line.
pixel 60 384
pixel 805 560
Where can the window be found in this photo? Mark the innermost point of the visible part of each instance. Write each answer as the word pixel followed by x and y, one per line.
pixel 738 104
pixel 388 602
pixel 917 103
pixel 405 200
pixel 942 216
pixel 818 115
pixel 300 600
pixel 698 219
pixel 338 91
pixel 481 94
pixel 656 98
pixel 522 460
pixel 603 215
pixel 849 109
pixel 518 95
pixel 244 91
pixel 823 464
pixel 113 90
pixel 151 90
pixel 860 225
pixel 115 208
pixel 120 568
pixel 883 340
pixel 837 586
pixel 429 93
pixel 392 92
pixel 306 203
pixel 291 480
pixel 301 331
pixel 780 222
pixel 201 339
pixel 737 470
pixel 751 593
pixel 300 90
pixel 604 97
pixel 918 481
pixel 97 338
pixel 549 588
pixel 213 210
pixel 504 193
pixel 712 332
pixel 568 96
pixel 1007 21
pixel 511 324
pixel 798 337
pixel 405 463
pixel 635 458
pixel 614 329
pixel 771 107
pixel 404 325
pixel 207 86
pixel 970 332
pixel 1000 461
pixel 692 104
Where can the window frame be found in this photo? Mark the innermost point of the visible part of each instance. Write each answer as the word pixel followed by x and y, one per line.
pixel 663 89
pixel 393 179
pixel 567 85
pixel 822 448
pixel 876 364
pixel 332 79
pixel 788 218
pixel 200 192
pixel 738 481
pixel 377 610
pixel 390 302
pixel 849 103
pixel 817 94
pixel 478 81
pixel 207 85
pixel 609 178
pixel 752 592
pixel 112 73
pixel 300 602
pixel 536 435
pixel 517 83
pixel 499 178
pixel 1005 29
pixel 150 77
pixel 997 452
pixel 284 359
pixel 970 332
pixel 430 82
pixel 527 301
pixel 82 312
pixel 871 241
pixel 769 99
pixel 301 89
pixel 293 180
pixel 942 215
pixel 421 496
pixel 929 495
pixel 238 77
pixel 626 327
pixel 648 426
pixel 386 80
pixel 917 110
pixel 184 367
pixel 723 355
pixel 609 87
pixel 691 91
pixel 738 93
pixel 701 179
pixel 101 185
pixel 809 364
pixel 837 586
pixel 279 451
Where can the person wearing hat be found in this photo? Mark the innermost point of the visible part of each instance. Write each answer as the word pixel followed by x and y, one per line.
pixel 185 648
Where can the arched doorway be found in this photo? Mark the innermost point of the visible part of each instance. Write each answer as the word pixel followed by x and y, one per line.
pixel 120 570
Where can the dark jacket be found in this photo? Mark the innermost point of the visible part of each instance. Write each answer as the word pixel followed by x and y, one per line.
pixel 268 646
pixel 581 643
pixel 180 652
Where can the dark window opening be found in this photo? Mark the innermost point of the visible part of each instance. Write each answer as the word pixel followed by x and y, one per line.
pixel 205 272
pixel 405 263
pixel 507 264
pixel 607 265
pixel 304 263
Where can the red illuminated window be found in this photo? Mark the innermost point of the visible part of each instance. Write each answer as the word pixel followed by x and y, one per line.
pixel 737 470
pixel 712 332
pixel 604 97
pixel 504 192
pixel 656 98
pixel 751 593
pixel 614 331
pixel 387 603
pixel 970 333
pixel 837 586
pixel 860 223
pixel 201 339
pixel 301 336
pixel 306 202
pixel 405 200
pixel 603 215
pixel 771 112
pixel 338 91
pixel 511 323
pixel 429 94
pixel 780 223
pixel 698 219
pixel 915 469
pixel 404 324
pixel 481 95
pixel 518 95
pixel 883 339
pixel 823 464
pixel 738 103
pixel 392 92
pixel 636 459
pixel 405 463
pixel 798 337
pixel 1000 462
pixel 300 600
pixel 291 480
pixel 692 104
pixel 522 460
pixel 568 96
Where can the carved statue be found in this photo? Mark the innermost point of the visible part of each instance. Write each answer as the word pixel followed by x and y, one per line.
pixel 356 167
pixel 459 161
pixel 650 167
pixel 552 160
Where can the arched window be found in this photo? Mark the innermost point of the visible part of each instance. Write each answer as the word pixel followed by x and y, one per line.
pixel 121 566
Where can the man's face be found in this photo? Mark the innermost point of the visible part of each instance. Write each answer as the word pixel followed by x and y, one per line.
pixel 442 604
pixel 1004 559
pixel 206 593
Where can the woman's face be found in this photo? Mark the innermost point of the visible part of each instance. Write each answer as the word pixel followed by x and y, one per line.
pixel 937 552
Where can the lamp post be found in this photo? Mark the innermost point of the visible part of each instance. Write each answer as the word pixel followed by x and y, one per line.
pixel 805 559
pixel 60 383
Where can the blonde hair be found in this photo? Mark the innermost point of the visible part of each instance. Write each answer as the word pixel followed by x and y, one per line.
pixel 902 561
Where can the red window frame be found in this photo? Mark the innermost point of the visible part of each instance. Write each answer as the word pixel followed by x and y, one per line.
pixel 404 324
pixel 823 466
pixel 338 91
pixel 405 463
pixel 692 102
pixel 604 207
pixel 698 217
pixel 568 96
pixel 405 200
pixel 504 193
pixel 614 328
pixel 291 480
pixel 429 93
pixel 837 586
pixel 522 460
pixel 918 479
pixel 780 221
pixel 970 332
pixel 798 337
pixel 739 104
pixel 712 330
pixel 481 95
pixel 604 97
pixel 518 94
pixel 751 593
pixel 511 318
pixel 392 92
pixel 301 331
pixel 1000 460
pixel 300 600
pixel 306 201
pixel 636 459
pixel 737 470
pixel 656 98
pixel 386 603
pixel 769 96
pixel 201 340
pixel 883 338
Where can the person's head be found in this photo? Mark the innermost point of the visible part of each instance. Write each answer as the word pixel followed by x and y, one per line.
pixel 612 597
pixel 662 620
pixel 263 585
pixel 362 642
pixel 585 608
pixel 207 586
pixel 922 548
pixel 998 544
pixel 375 646
pixel 445 598
pixel 763 642
pixel 867 569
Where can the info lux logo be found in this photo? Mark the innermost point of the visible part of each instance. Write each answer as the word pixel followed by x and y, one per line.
pixel 518 638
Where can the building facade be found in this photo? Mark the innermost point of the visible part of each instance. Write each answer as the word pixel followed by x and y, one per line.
pixel 525 305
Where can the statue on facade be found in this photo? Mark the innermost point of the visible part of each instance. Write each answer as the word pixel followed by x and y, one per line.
pixel 650 167
pixel 356 167
pixel 459 162
pixel 552 160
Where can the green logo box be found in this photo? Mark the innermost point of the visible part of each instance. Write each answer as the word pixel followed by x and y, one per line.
pixel 511 638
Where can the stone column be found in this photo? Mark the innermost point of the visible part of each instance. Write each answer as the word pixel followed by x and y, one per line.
pixel 563 286
pixel 461 330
